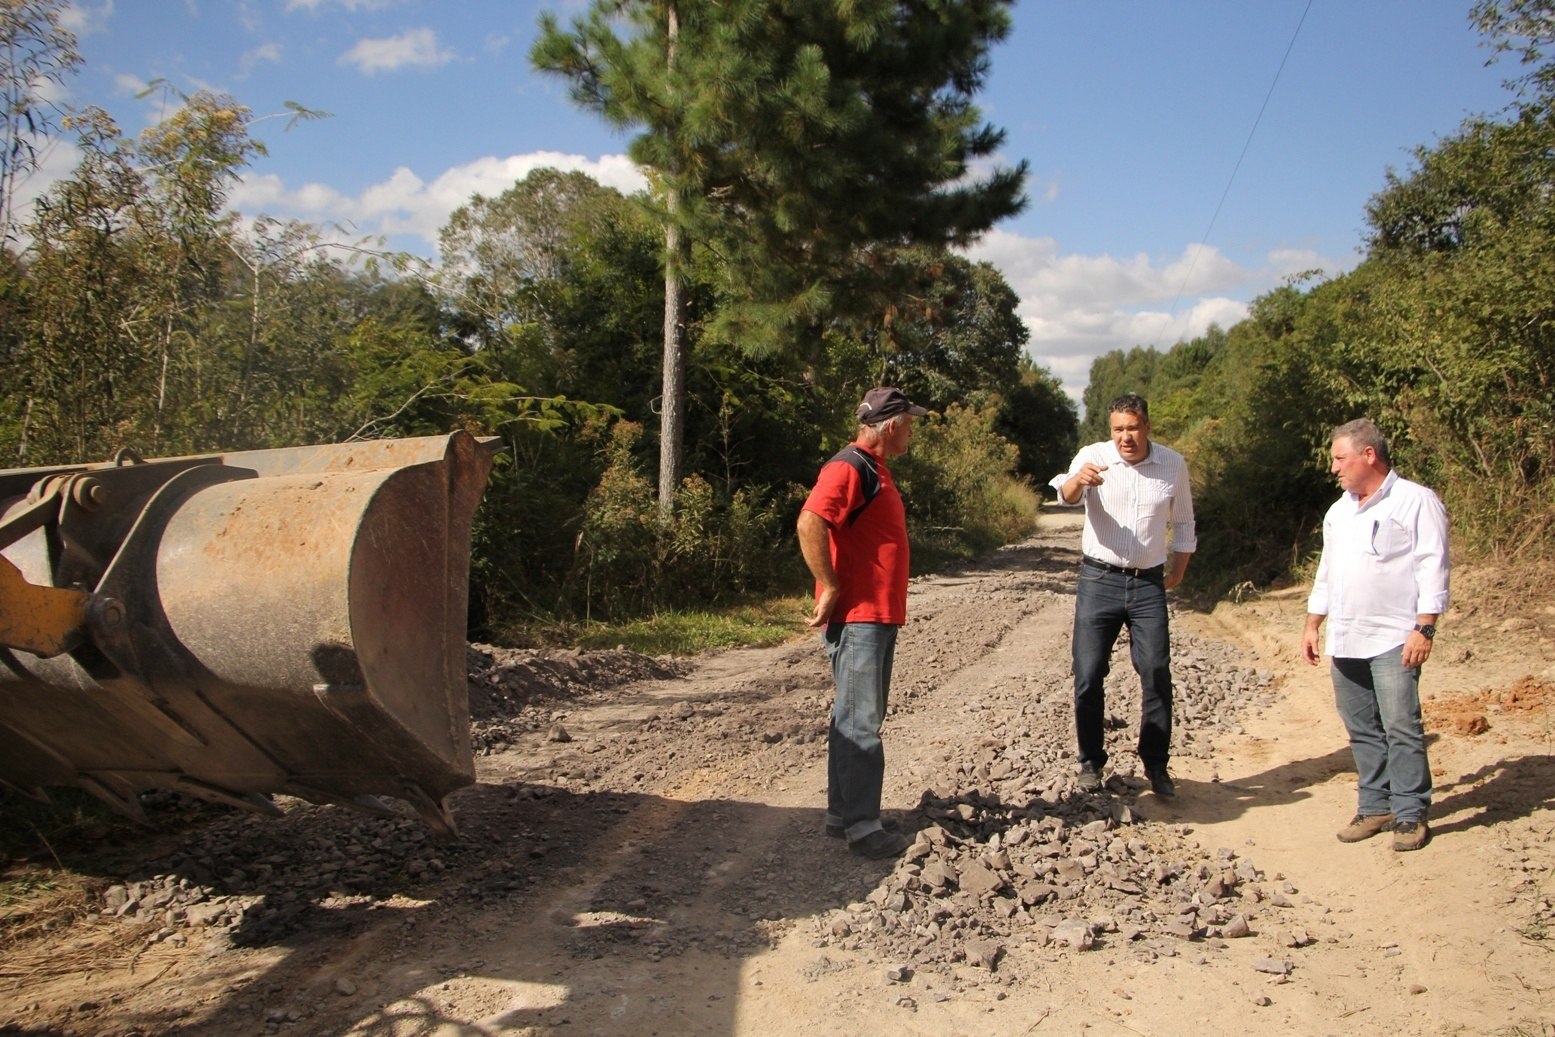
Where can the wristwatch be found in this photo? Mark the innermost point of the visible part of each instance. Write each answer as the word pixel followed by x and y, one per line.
pixel 1428 629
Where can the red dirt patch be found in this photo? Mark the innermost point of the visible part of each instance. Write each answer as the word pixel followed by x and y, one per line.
pixel 1469 715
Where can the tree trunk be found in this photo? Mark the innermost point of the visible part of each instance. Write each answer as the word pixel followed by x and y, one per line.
pixel 677 255
pixel 672 402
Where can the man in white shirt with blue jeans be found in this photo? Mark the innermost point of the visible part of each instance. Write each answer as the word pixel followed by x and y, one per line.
pixel 1135 492
pixel 1382 584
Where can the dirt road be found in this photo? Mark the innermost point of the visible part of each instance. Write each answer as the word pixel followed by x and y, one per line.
pixel 647 857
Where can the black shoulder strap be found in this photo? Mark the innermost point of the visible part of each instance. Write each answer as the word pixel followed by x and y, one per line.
pixel 868 473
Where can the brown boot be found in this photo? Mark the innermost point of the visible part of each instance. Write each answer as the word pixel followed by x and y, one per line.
pixel 1410 835
pixel 1364 826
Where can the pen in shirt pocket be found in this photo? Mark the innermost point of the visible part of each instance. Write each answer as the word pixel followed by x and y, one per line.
pixel 1376 525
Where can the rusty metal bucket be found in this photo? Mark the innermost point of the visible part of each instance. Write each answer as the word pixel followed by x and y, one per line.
pixel 242 624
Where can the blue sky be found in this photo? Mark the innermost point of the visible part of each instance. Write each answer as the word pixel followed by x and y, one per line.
pixel 1156 205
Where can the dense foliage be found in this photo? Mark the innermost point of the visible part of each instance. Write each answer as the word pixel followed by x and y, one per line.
pixel 140 311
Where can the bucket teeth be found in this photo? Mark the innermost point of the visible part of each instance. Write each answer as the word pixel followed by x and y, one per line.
pixel 434 811
pixel 117 794
pixel 253 802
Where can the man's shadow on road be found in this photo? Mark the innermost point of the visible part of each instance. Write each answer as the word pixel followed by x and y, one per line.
pixel 1208 802
pixel 1497 792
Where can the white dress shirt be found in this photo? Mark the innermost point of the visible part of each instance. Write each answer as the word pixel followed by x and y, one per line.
pixel 1128 515
pixel 1384 564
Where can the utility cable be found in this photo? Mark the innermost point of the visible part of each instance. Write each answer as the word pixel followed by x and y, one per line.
pixel 1234 169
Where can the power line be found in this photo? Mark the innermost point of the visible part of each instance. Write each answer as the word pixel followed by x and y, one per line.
pixel 1203 242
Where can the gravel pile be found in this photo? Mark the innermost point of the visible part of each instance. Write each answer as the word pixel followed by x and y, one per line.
pixel 247 880
pixel 514 692
pixel 1009 850
pixel 1060 876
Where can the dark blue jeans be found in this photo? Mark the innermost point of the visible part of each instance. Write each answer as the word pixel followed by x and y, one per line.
pixel 1106 602
pixel 861 657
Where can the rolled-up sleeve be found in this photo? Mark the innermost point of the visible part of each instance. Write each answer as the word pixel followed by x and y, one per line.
pixel 1184 533
pixel 1432 565
pixel 1317 600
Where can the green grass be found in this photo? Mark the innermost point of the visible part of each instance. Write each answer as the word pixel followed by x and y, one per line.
pixel 15 889
pixel 768 622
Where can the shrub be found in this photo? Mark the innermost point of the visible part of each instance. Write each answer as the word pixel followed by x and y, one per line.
pixel 629 562
pixel 959 481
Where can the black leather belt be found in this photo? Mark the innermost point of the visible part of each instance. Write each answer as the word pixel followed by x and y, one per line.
pixel 1154 570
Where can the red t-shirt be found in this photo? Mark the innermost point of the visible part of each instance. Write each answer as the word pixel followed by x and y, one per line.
pixel 870 556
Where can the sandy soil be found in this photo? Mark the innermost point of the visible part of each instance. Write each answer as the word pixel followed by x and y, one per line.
pixel 648 858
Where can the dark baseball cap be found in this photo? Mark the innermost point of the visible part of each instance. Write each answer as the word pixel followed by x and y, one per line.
pixel 885 402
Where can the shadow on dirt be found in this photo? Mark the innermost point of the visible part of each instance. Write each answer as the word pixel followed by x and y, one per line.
pixel 1214 801
pixel 377 922
pixel 1497 792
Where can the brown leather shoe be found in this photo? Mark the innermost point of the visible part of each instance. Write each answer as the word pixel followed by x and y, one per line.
pixel 1364 826
pixel 1410 835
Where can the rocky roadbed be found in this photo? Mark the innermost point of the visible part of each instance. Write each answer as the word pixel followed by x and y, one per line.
pixel 643 854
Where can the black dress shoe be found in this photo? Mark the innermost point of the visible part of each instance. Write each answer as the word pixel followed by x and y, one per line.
pixel 880 844
pixel 890 824
pixel 1161 782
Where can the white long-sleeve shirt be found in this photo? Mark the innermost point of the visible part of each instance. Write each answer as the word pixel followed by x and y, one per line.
pixel 1384 564
pixel 1127 517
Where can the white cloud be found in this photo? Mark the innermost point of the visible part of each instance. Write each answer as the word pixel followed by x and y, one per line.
pixel 412 210
pixel 417 48
pixel 1079 307
pixel 314 6
pixel 83 19
pixel 265 52
pixel 129 85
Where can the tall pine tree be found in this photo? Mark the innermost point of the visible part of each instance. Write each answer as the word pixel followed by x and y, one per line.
pixel 804 141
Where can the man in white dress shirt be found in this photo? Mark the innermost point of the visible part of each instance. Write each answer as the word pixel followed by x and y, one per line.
pixel 1382 581
pixel 1135 492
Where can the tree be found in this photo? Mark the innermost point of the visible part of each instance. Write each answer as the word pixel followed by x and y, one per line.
pixel 1527 27
pixel 125 256
pixel 35 52
pixel 498 253
pixel 1113 374
pixel 956 336
pixel 1039 418
pixel 737 100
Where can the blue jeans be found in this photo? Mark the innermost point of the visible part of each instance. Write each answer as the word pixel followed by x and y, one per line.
pixel 861 657
pixel 1106 602
pixel 1379 701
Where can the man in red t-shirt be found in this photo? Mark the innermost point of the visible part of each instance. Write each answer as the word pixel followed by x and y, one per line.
pixel 855 544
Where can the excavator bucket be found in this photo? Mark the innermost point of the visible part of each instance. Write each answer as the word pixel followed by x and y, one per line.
pixel 242 624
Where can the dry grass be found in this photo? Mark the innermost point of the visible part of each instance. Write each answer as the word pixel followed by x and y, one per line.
pixel 35 901
pixel 36 906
